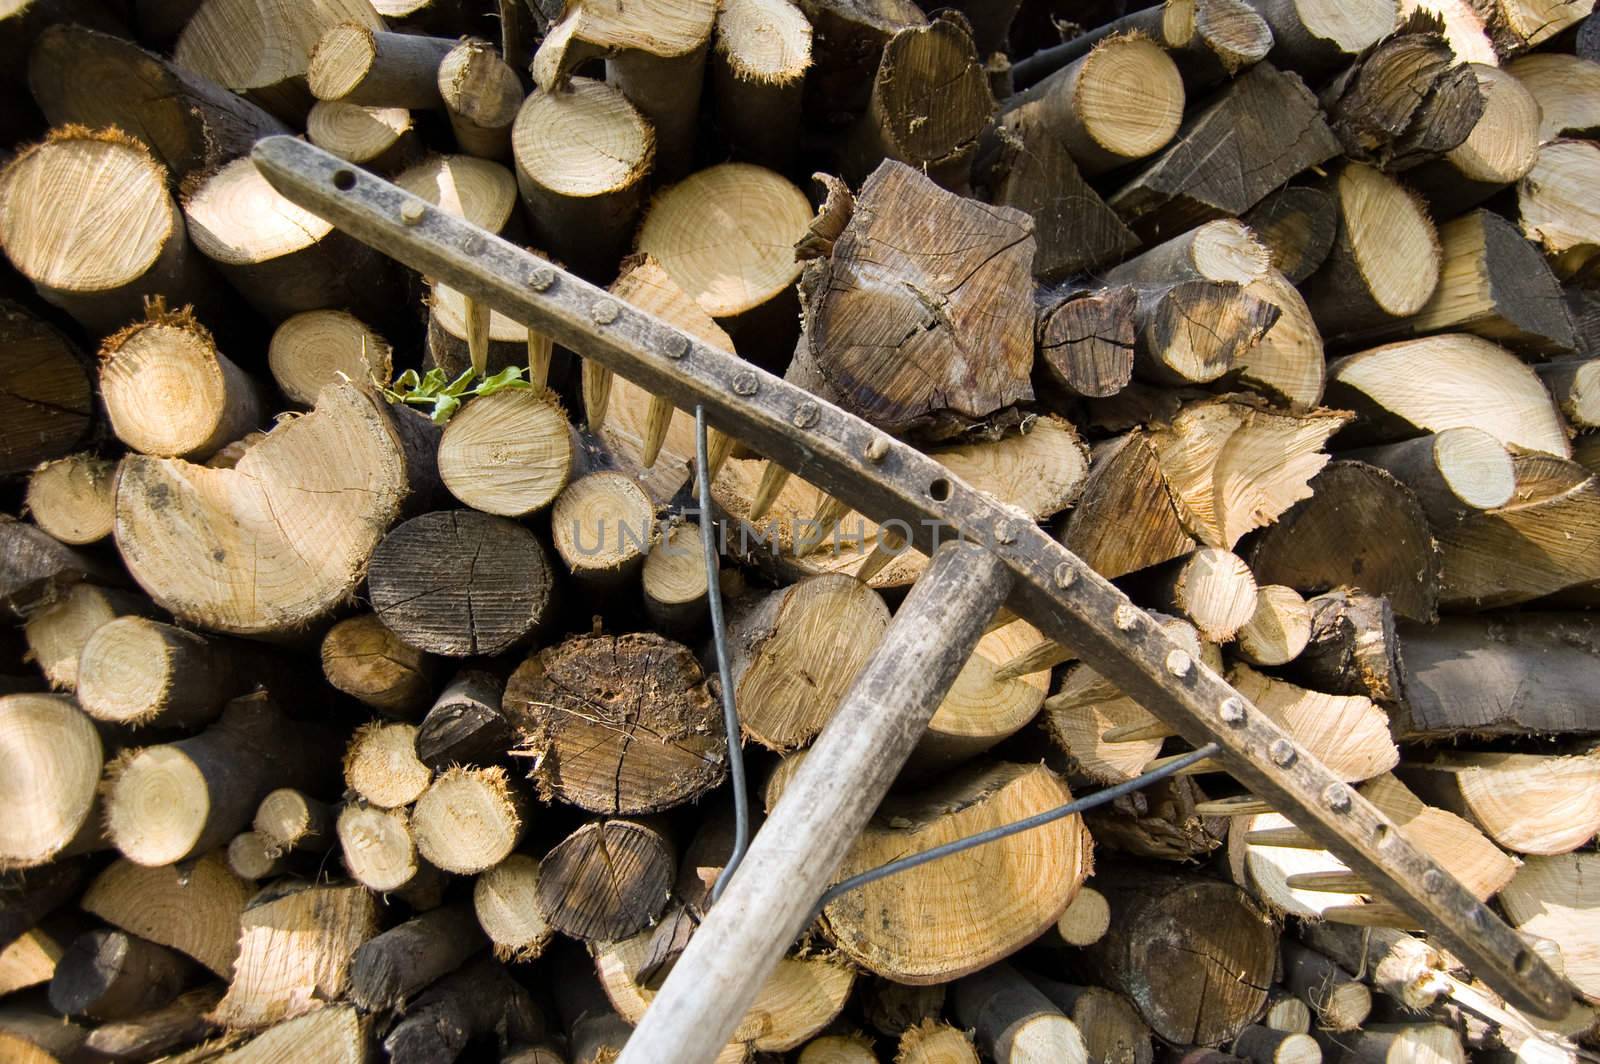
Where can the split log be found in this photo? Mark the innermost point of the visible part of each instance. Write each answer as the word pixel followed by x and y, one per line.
pixel 1453 473
pixel 1125 520
pixel 930 101
pixel 388 970
pixel 465 725
pixel 581 159
pixel 381 765
pixel 981 709
pixel 508 453
pixel 673 579
pixel 316 348
pixel 380 139
pixel 1492 283
pixel 1409 388
pixel 33 957
pixel 1297 224
pixel 1406 99
pixel 1461 849
pixel 264 52
pixel 179 800
pixel 469 819
pixel 1314 37
pixel 478 1000
pixel 1163 822
pixel 1013 1021
pixel 606 881
pixel 1517 25
pixel 52 757
pixel 91 224
pixel 794 652
pixel 758 71
pixel 1195 956
pixel 1500 149
pixel 1341 1002
pixel 618 724
pixel 1086 341
pixel 1347 733
pixel 1111 1028
pixel 1540 543
pixel 1554 898
pixel 1542 804
pixel 281 258
pixel 1258 132
pixel 36 570
pixel 1121 102
pixel 1353 648
pixel 931 1042
pixel 353 63
pixel 56 633
pixel 482 96
pixel 71 498
pixel 873 925
pixel 892 269
pixel 459 583
pixel 47 406
pixel 510 343
pixel 1278 630
pixel 112 975
pixel 371 664
pixel 142 673
pixel 1553 209
pixel 1496 675
pixel 1575 386
pixel 1192 332
pixel 337 1034
pixel 379 851
pixel 81 75
pixel 1031 170
pixel 603 525
pixel 1396 1043
pixel 194 910
pixel 505 899
pixel 150 1034
pixel 1385 260
pixel 290 820
pixel 1567 88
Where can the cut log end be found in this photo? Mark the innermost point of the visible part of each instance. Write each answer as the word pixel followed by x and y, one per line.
pixel 506 901
pixel 317 348
pixel 72 498
pixel 603 525
pixel 509 453
pixel 381 765
pixel 468 820
pixel 52 757
pixel 1129 98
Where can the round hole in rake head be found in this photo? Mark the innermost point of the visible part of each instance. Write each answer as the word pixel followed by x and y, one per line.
pixel 1379 833
pixel 344 180
pixel 1524 962
pixel 939 490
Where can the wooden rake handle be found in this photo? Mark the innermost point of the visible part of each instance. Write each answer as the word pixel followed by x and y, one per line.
pixel 887 480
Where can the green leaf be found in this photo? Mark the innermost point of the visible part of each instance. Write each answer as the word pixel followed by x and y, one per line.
pixel 510 377
pixel 444 406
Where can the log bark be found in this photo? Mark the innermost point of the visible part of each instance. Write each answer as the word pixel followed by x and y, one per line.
pixel 47 406
pixel 53 757
pixel 459 583
pixel 758 73
pixel 1453 473
pixel 618 724
pixel 1195 956
pixel 81 75
pixel 1265 115
pixel 1297 224
pixel 1315 37
pixel 1340 1001
pixel 140 672
pixel 1575 386
pixel 1353 648
pixel 112 975
pixel 1013 1021
pixel 195 911
pixel 113 179
pixel 368 662
pixel 1500 149
pixel 469 819
pixel 311 350
pixel 1086 341
pixel 27 898
pixel 860 299
pixel 390 969
pixel 478 1000
pixel 353 63
pixel 36 570
pixel 220 776
pixel 1193 331
pixel 482 96
pixel 465 725
pixel 56 634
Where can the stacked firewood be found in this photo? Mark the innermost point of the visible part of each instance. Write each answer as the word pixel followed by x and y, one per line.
pixel 358 701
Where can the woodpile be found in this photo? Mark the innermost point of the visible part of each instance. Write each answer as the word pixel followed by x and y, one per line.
pixel 357 693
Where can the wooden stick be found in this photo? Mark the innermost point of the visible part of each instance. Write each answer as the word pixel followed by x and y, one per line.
pixel 702 1000
pixel 387 970
pixel 1341 1002
pixel 381 139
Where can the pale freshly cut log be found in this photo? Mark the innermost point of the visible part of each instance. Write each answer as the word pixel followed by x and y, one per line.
pixel 1212 588
pixel 508 453
pixel 1111 1027
pixel 835 1049
pixel 1498 152
pixel 1339 1001
pixel 1439 382
pixel 31 959
pixel 291 820
pixel 1012 1020
pixel 1555 898
pixel 482 96
pixel 506 901
pixel 799 999
pixel 1008 892
pixel 1224 250
pixel 253 857
pixel 1543 804
pixel 1396 1042
pixel 469 819
pixel 1517 25
pixel 58 632
pixel 482 192
pixel 378 849
pixel 195 910
pixel 1347 733
pixel 932 1042
pixel 603 525
pixel 1464 28
pixel 1258 862
pixel 1567 88
pixel 1461 849
pixel 1555 209
pixel 1233 466
pixel 980 710
pixel 1086 919
pixel 673 579
pixel 140 672
pixel 357 64
pixel 294 953
pixel 380 139
pixel 1575 386
pixel 1315 36
pixel 284 536
pixel 334 1034
pixel 317 348
pixel 758 67
pixel 381 765
pixel 1278 630
pixel 52 757
pixel 72 498
pixel 1453 473
pixel 1287 362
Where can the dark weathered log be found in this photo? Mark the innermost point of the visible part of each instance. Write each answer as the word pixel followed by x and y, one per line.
pixel 1297 224
pixel 47 406
pixel 388 970
pixel 1191 332
pixel 28 897
pixel 460 583
pixel 1353 649
pixel 619 724
pixel 607 881
pixel 1341 1002
pixel 849 36
pixel 1125 520
pixel 112 975
pixel 465 726
pixel 146 1036
pixel 1013 1020
pixel 1159 822
pixel 1259 131
pixel 1086 341
pixel 478 1000
pixel 36 570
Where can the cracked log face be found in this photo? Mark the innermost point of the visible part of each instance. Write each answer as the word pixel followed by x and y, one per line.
pixel 618 724
pixel 920 321
pixel 281 538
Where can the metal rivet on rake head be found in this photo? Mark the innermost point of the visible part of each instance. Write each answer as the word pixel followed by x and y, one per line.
pixel 542 278
pixel 746 383
pixel 1477 916
pixel 1005 532
pixel 878 449
pixel 806 414
pixel 1337 797
pixel 1232 711
pixel 1179 663
pixel 604 311
pixel 472 244
pixel 1065 574
pixel 1433 881
pixel 1282 752
pixel 675 346
pixel 412 212
pixel 1126 617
